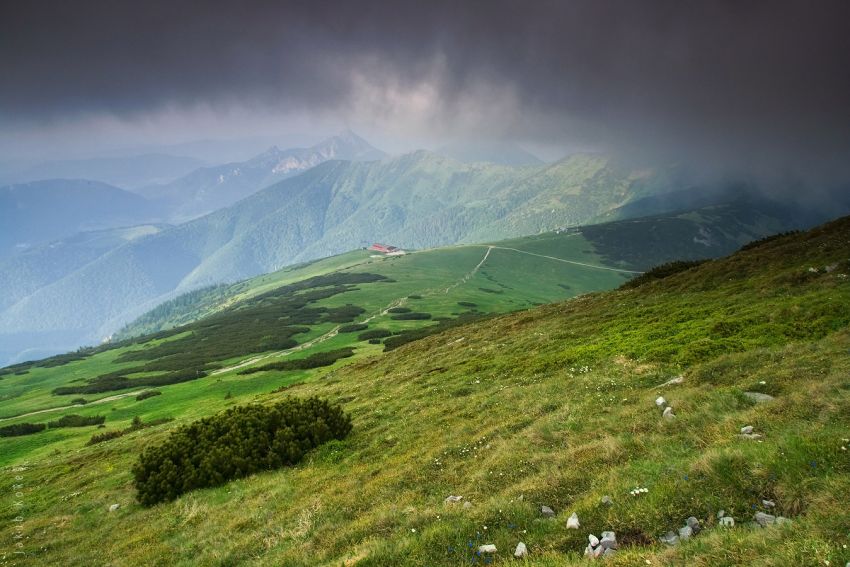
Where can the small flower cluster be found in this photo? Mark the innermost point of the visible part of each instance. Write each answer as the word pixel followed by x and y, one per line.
pixel 638 491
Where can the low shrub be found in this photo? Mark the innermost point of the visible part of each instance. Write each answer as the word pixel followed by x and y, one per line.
pixel 313 361
pixel 661 272
pixel 148 394
pixel 399 310
pixel 373 334
pixel 353 328
pixel 236 443
pixel 19 429
pixel 467 304
pixel 74 420
pixel 375 341
pixel 414 296
pixel 414 316
pixel 79 401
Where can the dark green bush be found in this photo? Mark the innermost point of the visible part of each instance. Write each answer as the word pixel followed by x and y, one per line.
pixel 79 401
pixel 415 316
pixel 19 429
pixel 148 394
pixel 353 328
pixel 467 304
pixel 661 272
pixel 399 310
pixel 105 436
pixel 74 420
pixel 241 441
pixel 375 341
pixel 373 334
pixel 313 361
pixel 414 296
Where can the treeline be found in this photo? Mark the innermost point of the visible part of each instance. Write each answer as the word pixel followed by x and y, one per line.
pixel 239 442
pixel 316 360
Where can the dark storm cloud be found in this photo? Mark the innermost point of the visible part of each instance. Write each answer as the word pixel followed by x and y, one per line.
pixel 721 80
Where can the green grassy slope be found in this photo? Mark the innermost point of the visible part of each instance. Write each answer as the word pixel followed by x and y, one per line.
pixel 552 406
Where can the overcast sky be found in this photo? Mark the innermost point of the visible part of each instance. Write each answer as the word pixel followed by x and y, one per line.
pixel 743 84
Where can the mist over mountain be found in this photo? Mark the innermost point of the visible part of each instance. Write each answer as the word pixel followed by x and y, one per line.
pixel 211 188
pixel 498 151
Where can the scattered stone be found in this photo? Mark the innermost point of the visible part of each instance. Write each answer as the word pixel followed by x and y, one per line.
pixel 694 524
pixel 572 522
pixel 669 538
pixel 782 520
pixel 521 551
pixel 721 513
pixel 685 532
pixel 547 512
pixel 764 520
pixel 768 503
pixel 467 505
pixel 487 548
pixel 746 429
pixel 606 501
pixel 600 547
pixel 727 522
pixel 758 397
pixel 114 507
pixel 453 499
pixel 660 401
pixel 752 436
pixel 668 413
pixel 609 540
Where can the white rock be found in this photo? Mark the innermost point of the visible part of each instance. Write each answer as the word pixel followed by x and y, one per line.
pixel 768 503
pixel 593 540
pixel 727 522
pixel 669 538
pixel 721 513
pixel 453 499
pixel 660 401
pixel 487 548
pixel 114 507
pixel 547 512
pixel 758 397
pixel 668 413
pixel 685 532
pixel 572 522
pixel 747 429
pixel 764 519
pixel 608 541
pixel 521 551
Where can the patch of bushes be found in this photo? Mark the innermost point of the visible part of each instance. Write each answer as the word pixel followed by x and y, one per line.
pixel 136 425
pixel 411 335
pixel 414 316
pixel 661 272
pixel 374 334
pixel 766 239
pixel 353 328
pixel 79 401
pixel 239 442
pixel 467 304
pixel 313 361
pixel 375 341
pixel 19 429
pixel 148 394
pixel 74 420
pixel 116 381
pixel 414 296
pixel 399 310
pixel 488 290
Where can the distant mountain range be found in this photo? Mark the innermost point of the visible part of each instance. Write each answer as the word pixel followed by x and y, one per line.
pixel 210 188
pixel 36 213
pixel 127 172
pixel 417 200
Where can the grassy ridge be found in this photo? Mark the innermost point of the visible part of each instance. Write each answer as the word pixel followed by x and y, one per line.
pixel 550 406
